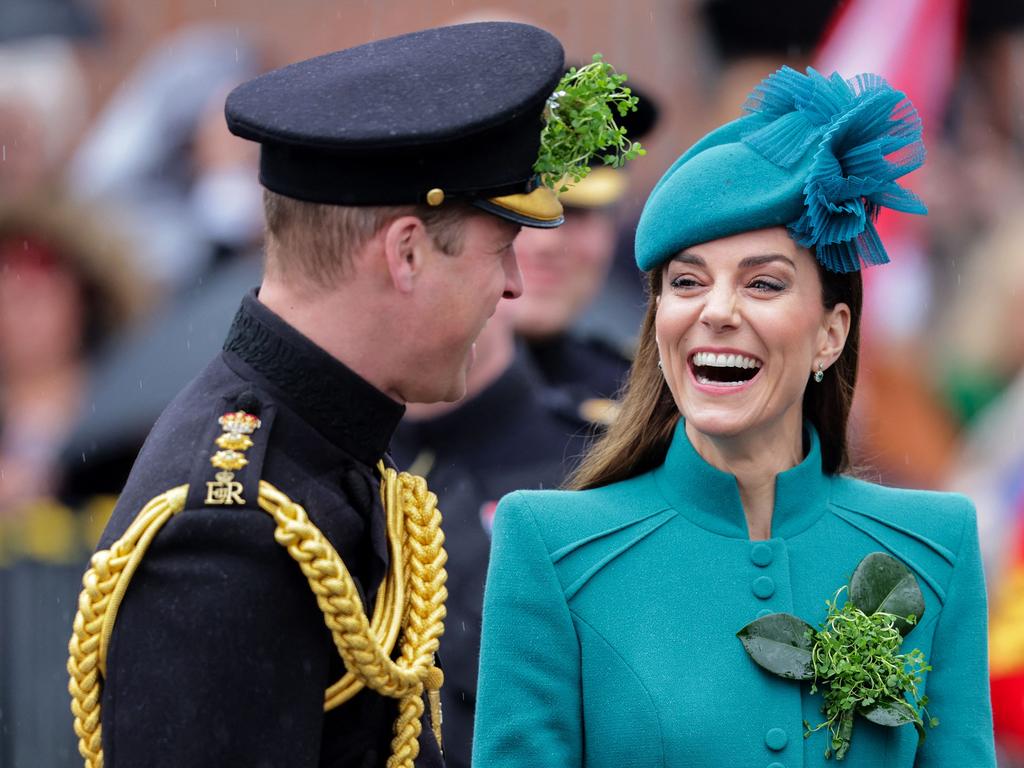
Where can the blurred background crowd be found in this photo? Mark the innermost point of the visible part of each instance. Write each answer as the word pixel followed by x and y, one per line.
pixel 131 224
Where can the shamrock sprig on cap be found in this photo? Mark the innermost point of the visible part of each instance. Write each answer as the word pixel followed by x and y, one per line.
pixel 580 125
pixel 853 658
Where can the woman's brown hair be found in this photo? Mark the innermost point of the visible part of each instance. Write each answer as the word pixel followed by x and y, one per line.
pixel 638 439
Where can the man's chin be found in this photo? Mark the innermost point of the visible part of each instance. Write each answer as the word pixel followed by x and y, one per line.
pixel 455 391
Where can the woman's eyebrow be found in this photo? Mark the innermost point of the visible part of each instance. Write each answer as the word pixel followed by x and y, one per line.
pixel 690 258
pixel 749 261
pixel 757 261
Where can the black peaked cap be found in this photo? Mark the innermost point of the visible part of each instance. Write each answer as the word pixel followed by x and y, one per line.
pixel 453 108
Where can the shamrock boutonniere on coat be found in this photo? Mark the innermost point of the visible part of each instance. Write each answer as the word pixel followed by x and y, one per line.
pixel 854 657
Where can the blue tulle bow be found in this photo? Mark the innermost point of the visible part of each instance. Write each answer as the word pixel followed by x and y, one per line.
pixel 864 135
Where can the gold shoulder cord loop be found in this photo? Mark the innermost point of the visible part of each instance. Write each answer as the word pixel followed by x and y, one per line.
pixel 410 601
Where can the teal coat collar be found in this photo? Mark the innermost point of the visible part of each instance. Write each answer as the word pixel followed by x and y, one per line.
pixel 710 498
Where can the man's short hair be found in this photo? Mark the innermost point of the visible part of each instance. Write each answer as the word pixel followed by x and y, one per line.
pixel 315 242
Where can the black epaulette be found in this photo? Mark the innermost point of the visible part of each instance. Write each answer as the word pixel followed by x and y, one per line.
pixel 228 465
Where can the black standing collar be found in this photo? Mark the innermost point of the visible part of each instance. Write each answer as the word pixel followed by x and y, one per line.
pixel 351 413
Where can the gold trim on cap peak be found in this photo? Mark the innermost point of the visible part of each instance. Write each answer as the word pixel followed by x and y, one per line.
pixel 540 204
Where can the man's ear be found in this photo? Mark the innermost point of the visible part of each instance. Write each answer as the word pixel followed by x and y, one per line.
pixel 403 241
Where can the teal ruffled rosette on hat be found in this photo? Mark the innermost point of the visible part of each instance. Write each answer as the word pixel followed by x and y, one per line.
pixel 819 155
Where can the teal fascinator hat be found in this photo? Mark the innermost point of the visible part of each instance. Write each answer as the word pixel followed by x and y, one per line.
pixel 818 155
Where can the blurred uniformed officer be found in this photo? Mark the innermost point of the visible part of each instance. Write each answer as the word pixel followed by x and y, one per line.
pixel 254 602
pixel 510 432
pixel 563 273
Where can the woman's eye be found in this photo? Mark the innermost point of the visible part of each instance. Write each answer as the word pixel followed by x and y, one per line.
pixel 684 281
pixel 767 285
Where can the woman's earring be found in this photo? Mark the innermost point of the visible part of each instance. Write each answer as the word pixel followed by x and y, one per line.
pixel 819 375
pixel 660 366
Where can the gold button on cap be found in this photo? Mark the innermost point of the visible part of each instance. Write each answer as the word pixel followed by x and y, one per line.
pixel 435 196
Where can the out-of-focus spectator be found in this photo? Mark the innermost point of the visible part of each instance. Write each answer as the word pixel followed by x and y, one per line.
pixel 564 272
pixel 160 155
pixel 65 287
pixel 43 106
pixel 980 347
pixel 749 40
pixel 981 350
pixel 991 471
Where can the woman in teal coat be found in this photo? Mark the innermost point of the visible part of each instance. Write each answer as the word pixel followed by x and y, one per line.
pixel 722 493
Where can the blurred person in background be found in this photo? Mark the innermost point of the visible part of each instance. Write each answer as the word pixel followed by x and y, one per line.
pixel 43 106
pixel 981 351
pixel 978 189
pixel 979 345
pixel 511 431
pixel 161 158
pixel 564 271
pixel 991 468
pixel 919 391
pixel 746 39
pixel 65 287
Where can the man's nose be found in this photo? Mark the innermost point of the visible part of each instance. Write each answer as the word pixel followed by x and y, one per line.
pixel 513 277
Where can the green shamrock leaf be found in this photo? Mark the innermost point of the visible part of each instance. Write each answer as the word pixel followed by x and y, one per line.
pixel 580 125
pixel 781 643
pixel 882 584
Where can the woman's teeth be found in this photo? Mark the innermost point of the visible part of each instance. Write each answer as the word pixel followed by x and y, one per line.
pixel 713 360
pixel 726 370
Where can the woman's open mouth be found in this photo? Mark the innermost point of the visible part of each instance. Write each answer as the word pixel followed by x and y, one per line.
pixel 723 369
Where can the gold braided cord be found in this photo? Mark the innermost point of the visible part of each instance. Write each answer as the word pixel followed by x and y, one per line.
pixel 387 616
pixel 411 599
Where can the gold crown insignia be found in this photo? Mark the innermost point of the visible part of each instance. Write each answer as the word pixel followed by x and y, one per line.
pixel 239 423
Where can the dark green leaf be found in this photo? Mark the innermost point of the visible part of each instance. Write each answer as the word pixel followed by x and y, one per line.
pixel 781 643
pixel 891 713
pixel 883 584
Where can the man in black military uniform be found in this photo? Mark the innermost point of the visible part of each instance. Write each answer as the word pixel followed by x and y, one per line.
pixel 397 175
pixel 510 432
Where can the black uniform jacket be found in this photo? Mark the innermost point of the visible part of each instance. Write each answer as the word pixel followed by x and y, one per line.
pixel 220 655
pixel 515 434
pixel 585 368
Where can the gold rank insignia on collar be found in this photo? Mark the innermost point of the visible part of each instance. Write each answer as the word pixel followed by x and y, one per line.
pixel 233 443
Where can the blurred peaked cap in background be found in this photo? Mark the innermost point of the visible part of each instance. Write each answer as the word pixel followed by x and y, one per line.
pixel 605 186
pixel 456 109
